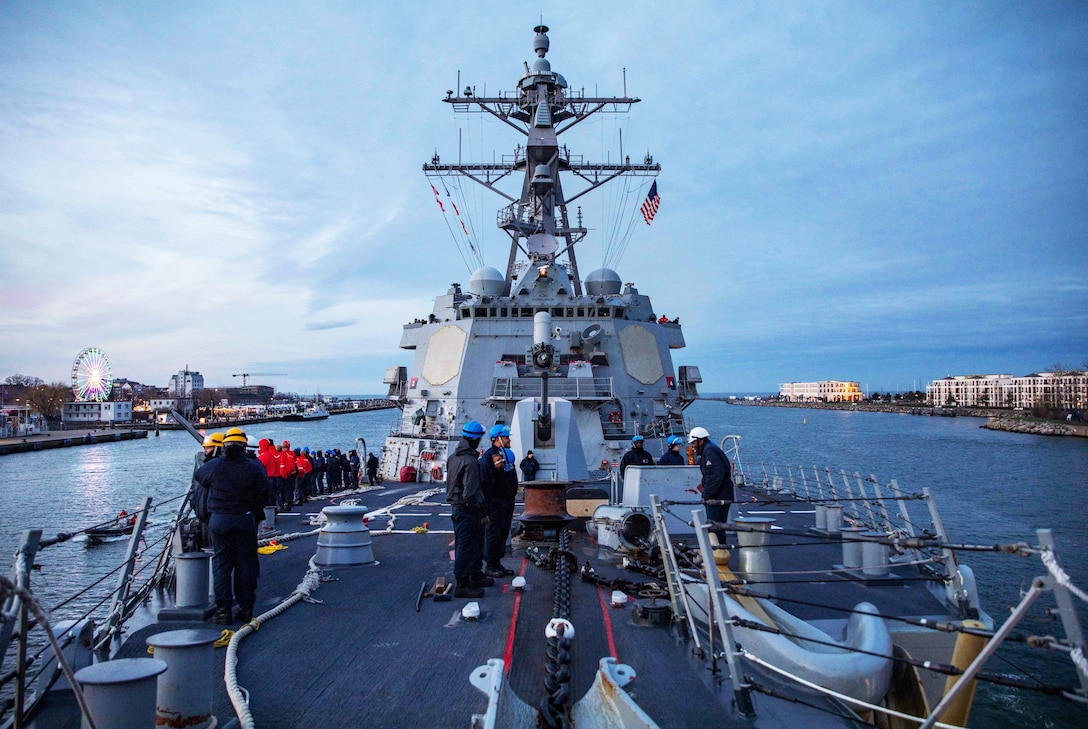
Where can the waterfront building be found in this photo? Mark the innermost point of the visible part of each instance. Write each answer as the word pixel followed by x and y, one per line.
pixel 185 382
pixel 821 391
pixel 250 395
pixel 1064 390
pixel 90 413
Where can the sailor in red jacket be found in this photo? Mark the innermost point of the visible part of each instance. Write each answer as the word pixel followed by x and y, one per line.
pixel 304 467
pixel 270 459
pixel 287 473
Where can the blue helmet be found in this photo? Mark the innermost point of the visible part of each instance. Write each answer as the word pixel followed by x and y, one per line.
pixel 637 439
pixel 498 429
pixel 472 429
pixel 674 440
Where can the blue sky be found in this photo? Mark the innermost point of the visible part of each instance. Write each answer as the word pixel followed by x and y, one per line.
pixel 881 192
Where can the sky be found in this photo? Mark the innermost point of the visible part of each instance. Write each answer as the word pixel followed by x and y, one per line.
pixel 887 193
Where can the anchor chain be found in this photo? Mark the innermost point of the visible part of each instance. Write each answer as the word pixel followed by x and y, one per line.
pixel 555 706
pixel 588 574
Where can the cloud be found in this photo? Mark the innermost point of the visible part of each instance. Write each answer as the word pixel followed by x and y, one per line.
pixel 320 326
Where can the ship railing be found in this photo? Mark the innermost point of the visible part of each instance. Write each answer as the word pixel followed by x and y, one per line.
pixel 718 636
pixel 867 504
pixel 570 388
pixel 27 627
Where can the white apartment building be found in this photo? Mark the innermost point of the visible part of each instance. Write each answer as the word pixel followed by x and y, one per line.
pixel 185 382
pixel 822 391
pixel 98 412
pixel 1058 389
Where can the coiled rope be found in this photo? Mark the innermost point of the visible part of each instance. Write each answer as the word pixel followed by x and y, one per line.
pixel 239 697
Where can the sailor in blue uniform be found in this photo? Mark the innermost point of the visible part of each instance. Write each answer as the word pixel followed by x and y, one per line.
pixel 238 490
pixel 717 483
pixel 466 497
pixel 637 456
pixel 672 456
pixel 499 480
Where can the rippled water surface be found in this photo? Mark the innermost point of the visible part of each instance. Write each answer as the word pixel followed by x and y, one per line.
pixel 991 487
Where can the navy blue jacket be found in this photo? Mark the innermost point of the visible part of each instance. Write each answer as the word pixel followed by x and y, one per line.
pixel 717 474
pixel 497 484
pixel 672 458
pixel 235 484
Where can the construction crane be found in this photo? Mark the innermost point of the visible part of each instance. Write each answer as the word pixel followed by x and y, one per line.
pixel 246 375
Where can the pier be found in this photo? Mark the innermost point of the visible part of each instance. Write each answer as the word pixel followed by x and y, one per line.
pixel 66 439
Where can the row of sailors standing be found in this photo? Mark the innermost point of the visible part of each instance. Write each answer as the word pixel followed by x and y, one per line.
pixel 232 485
pixel 299 474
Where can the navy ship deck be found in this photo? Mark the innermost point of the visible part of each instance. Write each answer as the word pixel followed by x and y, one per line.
pixel 361 652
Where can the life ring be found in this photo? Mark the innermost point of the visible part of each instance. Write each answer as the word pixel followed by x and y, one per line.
pixel 615 417
pixel 436 473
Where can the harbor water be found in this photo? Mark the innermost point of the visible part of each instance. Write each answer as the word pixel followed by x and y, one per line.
pixel 991 488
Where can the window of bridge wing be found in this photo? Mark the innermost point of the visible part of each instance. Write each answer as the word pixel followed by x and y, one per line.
pixel 503 312
pixel 527 312
pixel 581 311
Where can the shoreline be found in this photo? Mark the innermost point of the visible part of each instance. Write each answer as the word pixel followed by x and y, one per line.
pixel 101 433
pixel 996 419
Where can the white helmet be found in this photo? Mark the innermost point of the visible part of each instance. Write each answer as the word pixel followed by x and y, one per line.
pixel 697 434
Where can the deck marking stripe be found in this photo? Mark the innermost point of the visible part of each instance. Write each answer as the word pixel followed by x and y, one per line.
pixel 607 624
pixel 508 655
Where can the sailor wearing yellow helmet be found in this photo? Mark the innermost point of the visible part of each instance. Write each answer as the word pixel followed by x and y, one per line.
pixel 238 491
pixel 213 444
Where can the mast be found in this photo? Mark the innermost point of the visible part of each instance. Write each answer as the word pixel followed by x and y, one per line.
pixel 541 108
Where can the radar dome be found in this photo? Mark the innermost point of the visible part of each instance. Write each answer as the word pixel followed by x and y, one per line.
pixel 487 281
pixel 603 282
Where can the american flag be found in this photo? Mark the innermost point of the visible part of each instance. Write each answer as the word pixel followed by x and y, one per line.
pixel 651 204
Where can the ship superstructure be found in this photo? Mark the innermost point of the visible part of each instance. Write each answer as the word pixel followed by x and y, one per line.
pixel 574 366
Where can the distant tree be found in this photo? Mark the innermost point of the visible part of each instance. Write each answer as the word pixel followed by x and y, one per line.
pixel 23 381
pixel 49 399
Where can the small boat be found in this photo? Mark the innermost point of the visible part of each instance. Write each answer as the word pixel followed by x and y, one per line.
pixel 99 534
pixel 314 412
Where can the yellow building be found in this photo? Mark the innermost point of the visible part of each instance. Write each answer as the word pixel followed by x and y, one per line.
pixel 822 391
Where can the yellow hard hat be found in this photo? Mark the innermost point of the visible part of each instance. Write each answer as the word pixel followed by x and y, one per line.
pixel 213 440
pixel 235 435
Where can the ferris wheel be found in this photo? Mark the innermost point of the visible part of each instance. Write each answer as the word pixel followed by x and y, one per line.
pixel 92 375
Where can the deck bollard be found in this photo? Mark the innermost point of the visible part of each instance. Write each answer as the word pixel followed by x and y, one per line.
pixel 121 694
pixel 344 539
pixel 834 518
pixel 270 517
pixel 874 554
pixel 821 517
pixel 185 691
pixel 851 547
pixel 193 569
pixel 755 559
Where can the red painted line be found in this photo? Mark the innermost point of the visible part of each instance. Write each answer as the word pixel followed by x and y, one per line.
pixel 607 623
pixel 508 655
